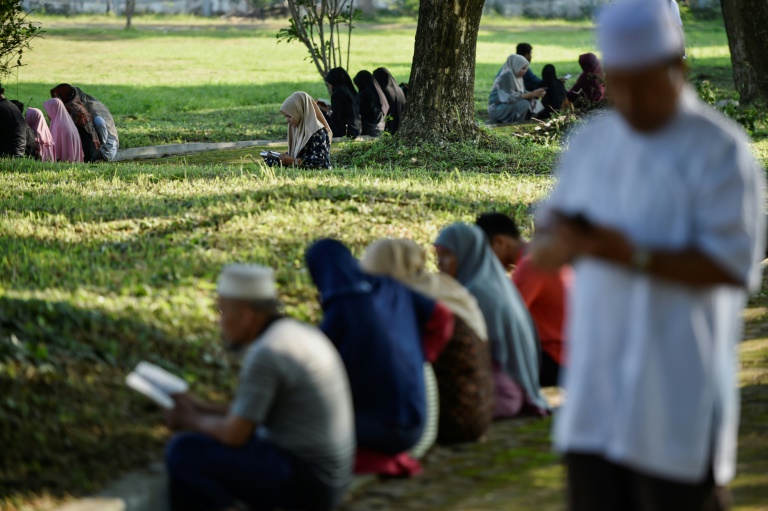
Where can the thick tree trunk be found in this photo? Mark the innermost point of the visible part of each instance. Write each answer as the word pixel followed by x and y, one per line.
pixel 746 22
pixel 441 91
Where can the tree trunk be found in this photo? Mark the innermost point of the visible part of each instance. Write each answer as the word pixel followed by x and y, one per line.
pixel 130 6
pixel 746 22
pixel 441 92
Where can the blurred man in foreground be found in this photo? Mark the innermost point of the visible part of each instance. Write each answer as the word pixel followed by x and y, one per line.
pixel 659 205
pixel 287 439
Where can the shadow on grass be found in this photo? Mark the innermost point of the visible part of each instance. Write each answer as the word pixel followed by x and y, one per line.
pixel 67 421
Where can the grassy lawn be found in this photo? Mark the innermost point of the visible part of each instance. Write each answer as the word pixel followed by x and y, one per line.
pixel 185 79
pixel 105 265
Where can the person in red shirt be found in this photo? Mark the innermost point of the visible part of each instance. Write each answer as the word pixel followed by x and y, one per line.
pixel 544 292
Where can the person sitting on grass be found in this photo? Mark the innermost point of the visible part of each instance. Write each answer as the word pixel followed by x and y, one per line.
pixel 66 139
pixel 344 112
pixel 287 439
pixel 43 137
pixel 544 292
pixel 384 332
pixel 309 135
pixel 373 104
pixel 103 122
pixel 509 100
pixel 83 120
pixel 530 80
pixel 464 253
pixel 395 97
pixel 30 149
pixel 557 95
pixel 13 133
pixel 463 370
pixel 589 89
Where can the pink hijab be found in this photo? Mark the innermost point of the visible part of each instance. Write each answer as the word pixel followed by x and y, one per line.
pixel 45 146
pixel 66 139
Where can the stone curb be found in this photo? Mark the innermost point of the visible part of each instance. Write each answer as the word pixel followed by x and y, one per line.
pixel 141 490
pixel 160 151
pixel 146 490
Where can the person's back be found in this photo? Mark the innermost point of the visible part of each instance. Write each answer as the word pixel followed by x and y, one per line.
pixel 384 360
pixel 310 414
pixel 13 129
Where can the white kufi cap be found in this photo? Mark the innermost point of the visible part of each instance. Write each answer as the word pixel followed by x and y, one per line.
pixel 633 34
pixel 247 282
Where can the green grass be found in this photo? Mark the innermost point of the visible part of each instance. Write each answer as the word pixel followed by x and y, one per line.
pixel 104 265
pixel 187 79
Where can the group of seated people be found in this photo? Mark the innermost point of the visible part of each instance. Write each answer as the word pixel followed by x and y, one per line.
pixel 81 128
pixel 370 105
pixel 518 94
pixel 315 405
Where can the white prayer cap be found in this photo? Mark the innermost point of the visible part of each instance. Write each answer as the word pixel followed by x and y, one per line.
pixel 633 34
pixel 247 282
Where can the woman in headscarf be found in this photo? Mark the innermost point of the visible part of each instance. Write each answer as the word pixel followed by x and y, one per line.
pixel 82 118
pixel 395 97
pixel 103 122
pixel 509 101
pixel 384 333
pixel 588 89
pixel 556 93
pixel 309 135
pixel 66 139
pixel 344 114
pixel 464 253
pixel 374 106
pixel 463 370
pixel 45 145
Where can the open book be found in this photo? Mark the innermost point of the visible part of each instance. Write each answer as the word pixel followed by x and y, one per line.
pixel 156 383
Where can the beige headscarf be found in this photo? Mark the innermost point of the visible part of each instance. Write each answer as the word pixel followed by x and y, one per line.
pixel 404 260
pixel 513 65
pixel 303 108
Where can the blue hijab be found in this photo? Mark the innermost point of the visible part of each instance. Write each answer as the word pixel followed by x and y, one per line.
pixel 510 328
pixel 376 324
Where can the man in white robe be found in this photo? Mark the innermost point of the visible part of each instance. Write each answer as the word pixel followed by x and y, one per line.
pixel 659 205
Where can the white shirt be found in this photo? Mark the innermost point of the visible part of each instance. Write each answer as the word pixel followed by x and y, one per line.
pixel 676 12
pixel 651 382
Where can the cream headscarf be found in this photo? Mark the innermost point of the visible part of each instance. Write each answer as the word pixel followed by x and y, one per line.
pixel 303 108
pixel 513 65
pixel 404 260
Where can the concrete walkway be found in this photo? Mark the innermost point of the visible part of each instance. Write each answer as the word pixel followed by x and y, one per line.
pixel 161 151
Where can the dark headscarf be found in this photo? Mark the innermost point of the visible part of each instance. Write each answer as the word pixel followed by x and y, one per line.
pixel 345 107
pixel 395 97
pixel 589 88
pixel 376 324
pixel 556 92
pixel 365 81
pixel 374 106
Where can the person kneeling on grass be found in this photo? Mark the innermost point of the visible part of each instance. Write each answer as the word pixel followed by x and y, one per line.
pixel 309 135
pixel 287 439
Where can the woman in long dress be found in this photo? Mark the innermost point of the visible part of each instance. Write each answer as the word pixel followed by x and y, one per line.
pixel 509 101
pixel 465 254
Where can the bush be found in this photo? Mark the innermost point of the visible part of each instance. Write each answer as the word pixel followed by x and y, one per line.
pixel 15 35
